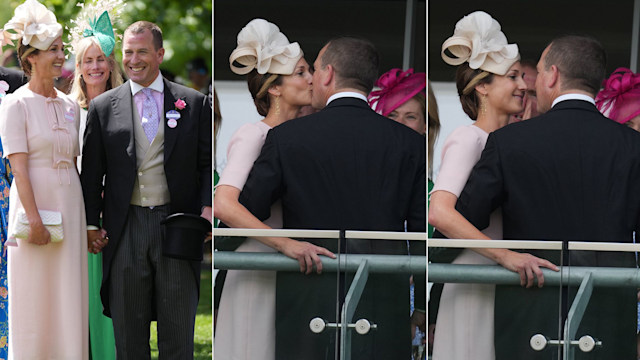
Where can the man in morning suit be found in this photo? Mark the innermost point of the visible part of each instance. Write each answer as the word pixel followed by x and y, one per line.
pixel 347 168
pixel 153 166
pixel 570 174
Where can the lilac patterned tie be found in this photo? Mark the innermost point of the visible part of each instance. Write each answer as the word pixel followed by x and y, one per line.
pixel 149 115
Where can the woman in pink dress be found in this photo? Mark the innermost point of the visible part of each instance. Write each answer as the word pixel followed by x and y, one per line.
pixel 490 84
pixel 280 85
pixel 48 316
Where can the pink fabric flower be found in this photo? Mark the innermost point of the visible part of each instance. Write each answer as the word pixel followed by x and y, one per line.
pixel 180 104
pixel 3 87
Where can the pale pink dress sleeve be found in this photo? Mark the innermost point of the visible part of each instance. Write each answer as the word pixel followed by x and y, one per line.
pixel 242 152
pixel 13 126
pixel 460 153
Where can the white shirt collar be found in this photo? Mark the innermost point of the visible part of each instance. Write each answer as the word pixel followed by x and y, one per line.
pixel 346 94
pixel 157 85
pixel 573 97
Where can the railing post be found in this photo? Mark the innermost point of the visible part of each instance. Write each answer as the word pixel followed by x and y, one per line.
pixel 575 315
pixel 349 308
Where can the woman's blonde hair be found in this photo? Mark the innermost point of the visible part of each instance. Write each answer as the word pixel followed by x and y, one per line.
pixel 79 87
pixel 434 126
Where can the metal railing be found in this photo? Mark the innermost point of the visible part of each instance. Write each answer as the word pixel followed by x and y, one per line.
pixel 361 264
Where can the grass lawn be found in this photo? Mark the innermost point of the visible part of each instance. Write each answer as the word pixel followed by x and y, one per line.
pixel 203 333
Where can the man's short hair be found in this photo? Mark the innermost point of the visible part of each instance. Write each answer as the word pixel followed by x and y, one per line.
pixel 139 27
pixel 581 62
pixel 355 62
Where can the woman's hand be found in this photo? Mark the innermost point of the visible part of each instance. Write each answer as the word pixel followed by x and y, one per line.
pixel 306 254
pixel 38 234
pixel 527 265
pixel 96 240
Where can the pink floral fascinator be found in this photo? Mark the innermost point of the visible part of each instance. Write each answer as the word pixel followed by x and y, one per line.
pixel 34 24
pixel 396 87
pixel 478 40
pixel 263 47
pixel 620 98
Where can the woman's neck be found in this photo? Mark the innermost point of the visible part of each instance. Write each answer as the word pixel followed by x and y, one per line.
pixel 286 113
pixel 491 121
pixel 43 86
pixel 95 90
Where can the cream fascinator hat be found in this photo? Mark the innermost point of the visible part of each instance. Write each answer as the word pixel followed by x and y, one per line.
pixel 478 40
pixel 34 23
pixel 263 47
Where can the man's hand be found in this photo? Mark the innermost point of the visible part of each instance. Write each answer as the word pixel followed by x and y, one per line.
pixel 207 213
pixel 418 319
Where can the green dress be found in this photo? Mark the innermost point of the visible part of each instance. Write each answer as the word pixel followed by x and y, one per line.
pixel 102 344
pixel 430 228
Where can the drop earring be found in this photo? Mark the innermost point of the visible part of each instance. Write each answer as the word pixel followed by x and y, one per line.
pixel 483 105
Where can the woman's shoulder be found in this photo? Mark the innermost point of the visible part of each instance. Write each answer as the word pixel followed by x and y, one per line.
pixel 469 135
pixel 17 97
pixel 252 130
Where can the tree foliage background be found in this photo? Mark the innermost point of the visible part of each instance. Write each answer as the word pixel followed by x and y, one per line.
pixel 186 26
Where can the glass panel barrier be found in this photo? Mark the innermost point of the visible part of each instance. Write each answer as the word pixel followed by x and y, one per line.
pixel 293 299
pixel 602 320
pixel 351 294
pixel 478 309
pixel 384 311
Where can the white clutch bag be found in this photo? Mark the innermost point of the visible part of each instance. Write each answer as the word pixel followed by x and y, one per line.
pixel 52 220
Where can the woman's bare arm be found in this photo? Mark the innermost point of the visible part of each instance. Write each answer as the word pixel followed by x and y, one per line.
pixel 38 234
pixel 444 217
pixel 228 209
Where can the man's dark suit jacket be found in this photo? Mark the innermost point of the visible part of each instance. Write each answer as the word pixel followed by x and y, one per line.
pixel 109 149
pixel 343 168
pixel 15 78
pixel 570 174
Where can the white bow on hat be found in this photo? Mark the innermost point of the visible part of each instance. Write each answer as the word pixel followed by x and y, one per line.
pixel 477 39
pixel 263 47
pixel 34 23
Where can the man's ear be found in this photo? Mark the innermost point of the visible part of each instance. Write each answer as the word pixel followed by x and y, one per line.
pixel 330 75
pixel 554 76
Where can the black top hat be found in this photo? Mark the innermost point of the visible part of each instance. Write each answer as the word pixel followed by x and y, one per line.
pixel 184 236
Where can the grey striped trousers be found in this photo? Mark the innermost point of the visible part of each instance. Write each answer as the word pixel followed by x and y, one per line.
pixel 144 285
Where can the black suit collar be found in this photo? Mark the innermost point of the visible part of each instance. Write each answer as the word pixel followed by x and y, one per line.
pixel 122 105
pixel 348 101
pixel 574 104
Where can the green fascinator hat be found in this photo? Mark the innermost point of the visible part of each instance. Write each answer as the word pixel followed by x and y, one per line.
pixel 102 30
pixel 97 20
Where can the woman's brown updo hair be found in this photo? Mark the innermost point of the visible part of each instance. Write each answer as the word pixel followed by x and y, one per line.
pixel 259 85
pixel 469 100
pixel 23 52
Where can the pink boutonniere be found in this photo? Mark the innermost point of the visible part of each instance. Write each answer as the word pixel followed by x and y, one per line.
pixel 173 115
pixel 180 104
